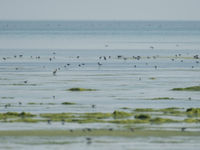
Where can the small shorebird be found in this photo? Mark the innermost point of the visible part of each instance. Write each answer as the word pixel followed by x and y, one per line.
pixel 151 47
pixel 99 64
pixel 49 121
pixel 110 129
pixel 183 129
pixel 63 121
pixel 54 72
pixel 89 140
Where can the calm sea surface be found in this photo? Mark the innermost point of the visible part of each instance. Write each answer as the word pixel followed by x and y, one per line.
pixel 31 50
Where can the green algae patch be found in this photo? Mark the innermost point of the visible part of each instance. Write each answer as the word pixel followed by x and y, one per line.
pixel 164 110
pixel 90 120
pixel 68 103
pixel 193 111
pixel 57 116
pixel 12 114
pixel 129 121
pixel 31 103
pixel 26 120
pixel 172 111
pixel 99 132
pixel 192 88
pixel 8 115
pixel 152 78
pixel 163 120
pixel 15 114
pixel 121 114
pixel 81 89
pixel 142 116
pixel 162 98
pixel 125 108
pixel 85 117
pixel 51 103
pixel 97 115
pixel 190 120
pixel 24 114
pixel 145 110
pixel 7 97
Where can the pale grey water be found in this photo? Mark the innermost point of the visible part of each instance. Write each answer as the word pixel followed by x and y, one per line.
pixel 99 143
pixel 117 81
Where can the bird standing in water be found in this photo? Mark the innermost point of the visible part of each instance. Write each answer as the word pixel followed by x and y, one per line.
pixel 54 72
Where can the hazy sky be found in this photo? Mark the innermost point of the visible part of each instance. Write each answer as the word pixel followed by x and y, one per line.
pixel 100 9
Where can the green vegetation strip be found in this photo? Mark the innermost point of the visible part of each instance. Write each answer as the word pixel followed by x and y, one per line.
pixel 68 103
pixel 7 97
pixel 15 114
pixel 99 132
pixel 192 88
pixel 140 115
pixel 162 98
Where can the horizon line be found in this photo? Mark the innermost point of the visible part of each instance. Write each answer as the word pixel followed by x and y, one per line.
pixel 101 20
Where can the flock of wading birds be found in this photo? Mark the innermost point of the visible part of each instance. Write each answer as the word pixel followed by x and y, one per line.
pixel 196 57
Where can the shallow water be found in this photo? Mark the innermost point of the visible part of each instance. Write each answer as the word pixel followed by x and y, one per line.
pixel 117 81
pixel 118 143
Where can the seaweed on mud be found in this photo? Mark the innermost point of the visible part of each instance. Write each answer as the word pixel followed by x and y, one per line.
pixel 26 114
pixel 145 110
pixel 96 115
pixel 31 103
pixel 142 116
pixel 7 97
pixel 121 114
pixel 172 111
pixel 68 103
pixel 191 88
pixel 57 116
pixel 98 132
pixel 117 117
pixel 162 98
pixel 128 121
pixel 191 120
pixel 163 120
pixel 27 120
pixel 87 120
pixel 193 112
pixel 125 108
pixel 152 78
pixel 16 114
